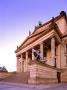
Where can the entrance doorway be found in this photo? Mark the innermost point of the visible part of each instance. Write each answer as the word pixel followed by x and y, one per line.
pixel 59 77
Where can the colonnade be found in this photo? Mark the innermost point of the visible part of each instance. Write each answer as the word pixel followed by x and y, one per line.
pixel 22 63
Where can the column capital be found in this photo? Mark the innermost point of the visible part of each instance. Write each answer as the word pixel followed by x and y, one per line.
pixel 41 42
pixel 52 37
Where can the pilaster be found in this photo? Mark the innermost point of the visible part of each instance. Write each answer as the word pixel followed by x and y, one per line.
pixel 65 53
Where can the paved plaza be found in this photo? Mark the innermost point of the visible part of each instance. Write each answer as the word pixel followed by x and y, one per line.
pixel 13 86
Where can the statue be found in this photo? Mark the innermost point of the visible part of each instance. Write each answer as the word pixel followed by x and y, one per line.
pixel 37 54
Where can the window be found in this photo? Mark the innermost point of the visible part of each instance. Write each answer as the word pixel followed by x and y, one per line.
pixel 65 52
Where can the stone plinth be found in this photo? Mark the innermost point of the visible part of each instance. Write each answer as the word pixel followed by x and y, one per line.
pixel 42 73
pixel 64 75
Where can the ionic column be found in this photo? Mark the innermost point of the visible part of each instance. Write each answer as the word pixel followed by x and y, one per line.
pixel 41 50
pixel 17 64
pixel 21 62
pixel 26 60
pixel 65 48
pixel 33 57
pixel 53 50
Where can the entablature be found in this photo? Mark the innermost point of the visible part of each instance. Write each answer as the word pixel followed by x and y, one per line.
pixel 45 37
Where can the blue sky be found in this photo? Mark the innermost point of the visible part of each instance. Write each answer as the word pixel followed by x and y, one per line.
pixel 17 17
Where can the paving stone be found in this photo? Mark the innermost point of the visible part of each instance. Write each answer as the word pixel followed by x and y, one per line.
pixel 15 86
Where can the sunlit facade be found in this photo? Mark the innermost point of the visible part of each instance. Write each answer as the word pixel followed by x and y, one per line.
pixel 51 40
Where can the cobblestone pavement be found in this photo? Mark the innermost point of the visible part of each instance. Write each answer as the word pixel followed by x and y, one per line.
pixel 13 86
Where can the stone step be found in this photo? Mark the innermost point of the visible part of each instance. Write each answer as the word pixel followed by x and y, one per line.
pixel 18 78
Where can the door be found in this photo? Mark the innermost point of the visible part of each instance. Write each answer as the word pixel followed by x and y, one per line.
pixel 59 77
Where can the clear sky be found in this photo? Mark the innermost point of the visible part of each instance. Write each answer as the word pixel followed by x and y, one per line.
pixel 17 17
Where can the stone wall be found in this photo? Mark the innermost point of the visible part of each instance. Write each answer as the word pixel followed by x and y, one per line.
pixel 4 75
pixel 62 25
pixel 39 73
pixel 64 75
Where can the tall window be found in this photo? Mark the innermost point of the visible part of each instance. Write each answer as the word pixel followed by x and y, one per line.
pixel 66 54
pixel 65 51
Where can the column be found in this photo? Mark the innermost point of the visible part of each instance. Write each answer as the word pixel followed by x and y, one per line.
pixel 53 51
pixel 21 62
pixel 17 64
pixel 33 57
pixel 41 50
pixel 59 56
pixel 26 60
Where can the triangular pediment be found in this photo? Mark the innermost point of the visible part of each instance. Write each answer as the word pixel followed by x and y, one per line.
pixel 42 30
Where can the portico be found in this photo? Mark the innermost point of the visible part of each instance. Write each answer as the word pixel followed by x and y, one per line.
pixel 47 51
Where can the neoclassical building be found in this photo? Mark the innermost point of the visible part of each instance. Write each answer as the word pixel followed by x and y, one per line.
pixel 50 39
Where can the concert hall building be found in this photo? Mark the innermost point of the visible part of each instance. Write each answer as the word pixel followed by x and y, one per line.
pixel 50 39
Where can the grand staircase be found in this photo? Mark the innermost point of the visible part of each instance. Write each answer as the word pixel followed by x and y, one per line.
pixel 17 78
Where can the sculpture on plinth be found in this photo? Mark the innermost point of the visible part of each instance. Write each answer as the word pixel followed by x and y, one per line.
pixel 37 54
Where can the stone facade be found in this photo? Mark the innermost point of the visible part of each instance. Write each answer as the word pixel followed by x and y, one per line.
pixel 41 73
pixel 51 40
